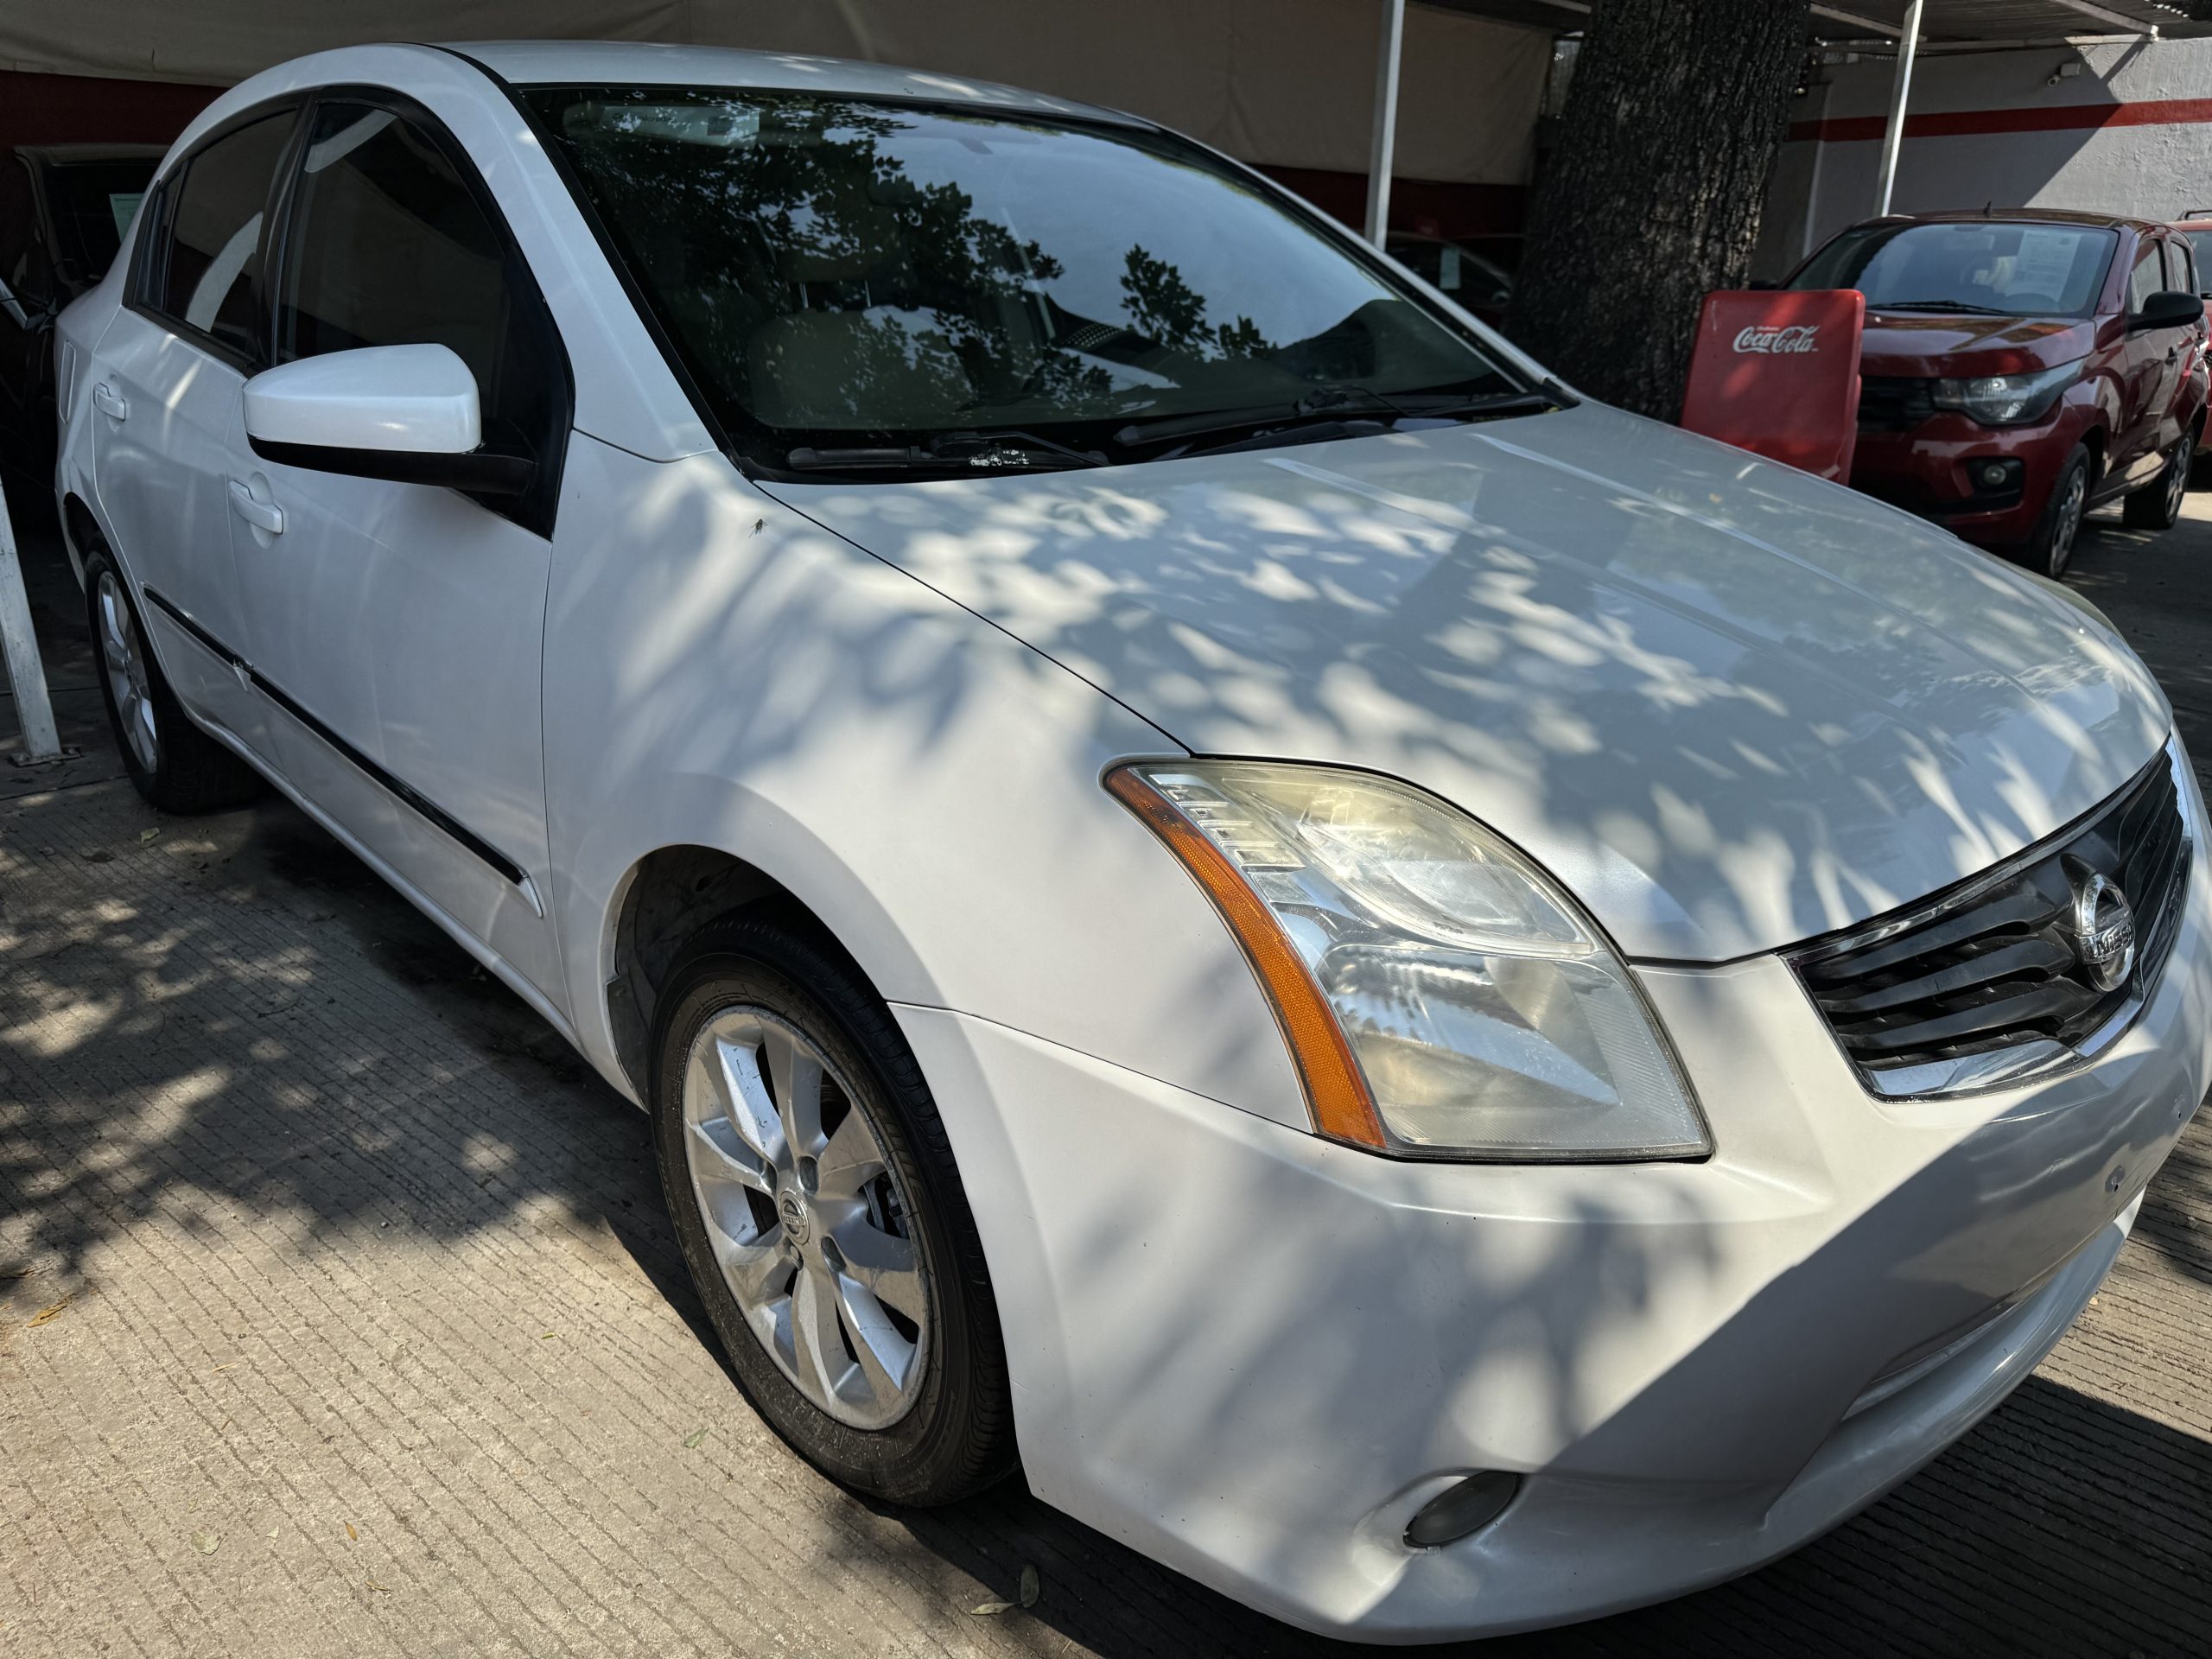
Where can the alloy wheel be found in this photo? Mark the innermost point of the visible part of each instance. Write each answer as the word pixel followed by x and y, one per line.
pixel 2068 524
pixel 124 655
pixel 809 1222
pixel 2178 477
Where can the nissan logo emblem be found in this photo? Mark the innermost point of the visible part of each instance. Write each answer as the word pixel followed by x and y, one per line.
pixel 792 1210
pixel 2104 932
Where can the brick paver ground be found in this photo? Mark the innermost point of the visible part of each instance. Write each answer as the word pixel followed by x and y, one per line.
pixel 338 1315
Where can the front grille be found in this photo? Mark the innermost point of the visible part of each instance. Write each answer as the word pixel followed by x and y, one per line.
pixel 1984 983
pixel 1891 403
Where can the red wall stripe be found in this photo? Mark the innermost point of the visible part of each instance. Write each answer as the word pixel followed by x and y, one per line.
pixel 2054 117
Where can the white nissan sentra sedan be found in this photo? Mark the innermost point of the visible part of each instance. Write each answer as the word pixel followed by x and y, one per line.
pixel 1443 1007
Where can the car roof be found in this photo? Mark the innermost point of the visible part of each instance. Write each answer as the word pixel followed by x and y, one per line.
pixel 2022 216
pixel 64 154
pixel 650 63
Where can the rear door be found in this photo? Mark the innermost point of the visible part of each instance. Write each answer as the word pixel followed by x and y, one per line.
pixel 2144 371
pixel 399 626
pixel 168 424
pixel 2177 398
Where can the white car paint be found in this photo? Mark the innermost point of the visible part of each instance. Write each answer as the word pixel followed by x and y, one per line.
pixel 1728 706
pixel 413 399
pixel 1731 706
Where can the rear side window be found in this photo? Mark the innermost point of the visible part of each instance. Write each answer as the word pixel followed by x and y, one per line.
pixel 2145 279
pixel 2181 275
pixel 389 245
pixel 2201 245
pixel 209 265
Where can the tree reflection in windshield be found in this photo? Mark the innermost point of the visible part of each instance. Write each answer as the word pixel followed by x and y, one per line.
pixel 834 270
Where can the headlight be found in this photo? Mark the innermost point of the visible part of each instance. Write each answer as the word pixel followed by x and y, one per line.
pixel 1441 996
pixel 2008 399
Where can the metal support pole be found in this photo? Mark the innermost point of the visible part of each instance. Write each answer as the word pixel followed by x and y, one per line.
pixel 26 673
pixel 1900 91
pixel 1386 120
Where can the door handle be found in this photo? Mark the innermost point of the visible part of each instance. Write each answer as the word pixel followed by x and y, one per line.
pixel 262 515
pixel 110 403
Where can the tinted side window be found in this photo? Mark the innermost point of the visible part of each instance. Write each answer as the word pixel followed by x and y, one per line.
pixel 210 263
pixel 2145 279
pixel 19 264
pixel 2180 277
pixel 388 245
pixel 92 203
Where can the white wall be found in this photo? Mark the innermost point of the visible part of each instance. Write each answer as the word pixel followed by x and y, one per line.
pixel 2146 163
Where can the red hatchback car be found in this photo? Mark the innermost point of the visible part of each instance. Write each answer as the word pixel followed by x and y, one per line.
pixel 2021 368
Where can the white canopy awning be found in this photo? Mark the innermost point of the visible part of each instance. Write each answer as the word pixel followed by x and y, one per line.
pixel 1285 83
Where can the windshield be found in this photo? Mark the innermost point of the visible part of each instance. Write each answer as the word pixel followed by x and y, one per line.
pixel 92 203
pixel 2013 270
pixel 837 272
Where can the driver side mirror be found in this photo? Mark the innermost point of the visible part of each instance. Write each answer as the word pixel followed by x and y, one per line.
pixel 2170 310
pixel 406 413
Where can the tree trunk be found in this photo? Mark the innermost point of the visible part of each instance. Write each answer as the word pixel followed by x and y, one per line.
pixel 1652 198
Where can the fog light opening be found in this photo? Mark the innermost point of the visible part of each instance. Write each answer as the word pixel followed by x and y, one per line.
pixel 1461 1510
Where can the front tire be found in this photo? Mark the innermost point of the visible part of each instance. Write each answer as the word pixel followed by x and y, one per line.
pixel 2157 506
pixel 171 762
pixel 2050 549
pixel 821 1216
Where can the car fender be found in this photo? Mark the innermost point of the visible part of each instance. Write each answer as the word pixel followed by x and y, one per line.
pixel 722 672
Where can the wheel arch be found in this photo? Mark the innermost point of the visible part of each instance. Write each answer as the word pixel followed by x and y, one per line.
pixel 80 532
pixel 667 895
pixel 2098 443
pixel 665 899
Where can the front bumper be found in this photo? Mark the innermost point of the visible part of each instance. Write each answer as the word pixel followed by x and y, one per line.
pixel 1928 470
pixel 1253 1355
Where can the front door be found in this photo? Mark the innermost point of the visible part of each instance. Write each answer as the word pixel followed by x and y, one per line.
pixel 2145 387
pixel 397 627
pixel 168 424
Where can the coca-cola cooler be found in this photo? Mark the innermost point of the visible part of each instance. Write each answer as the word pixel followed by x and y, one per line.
pixel 1776 371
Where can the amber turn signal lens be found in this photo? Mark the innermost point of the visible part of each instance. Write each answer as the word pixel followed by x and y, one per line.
pixel 1335 1092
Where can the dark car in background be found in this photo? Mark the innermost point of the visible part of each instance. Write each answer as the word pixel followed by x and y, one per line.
pixel 63 210
pixel 2022 367
pixel 1475 272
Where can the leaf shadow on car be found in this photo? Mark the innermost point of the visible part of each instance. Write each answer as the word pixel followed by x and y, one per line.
pixel 338 1128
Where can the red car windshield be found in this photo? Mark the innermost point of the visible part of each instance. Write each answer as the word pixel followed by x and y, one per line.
pixel 1984 269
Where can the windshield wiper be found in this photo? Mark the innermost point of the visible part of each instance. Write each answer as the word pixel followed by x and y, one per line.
pixel 979 451
pixel 1958 306
pixel 1332 404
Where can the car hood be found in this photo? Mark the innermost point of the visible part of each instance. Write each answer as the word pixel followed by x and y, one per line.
pixel 1903 343
pixel 1729 705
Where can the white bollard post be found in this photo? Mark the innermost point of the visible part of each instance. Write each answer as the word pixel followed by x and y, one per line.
pixel 26 671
